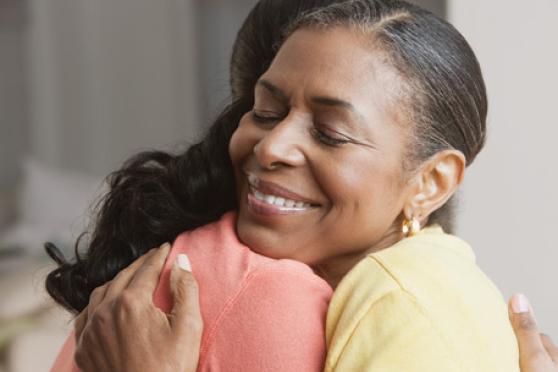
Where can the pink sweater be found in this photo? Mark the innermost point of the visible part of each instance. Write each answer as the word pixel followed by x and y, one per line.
pixel 259 314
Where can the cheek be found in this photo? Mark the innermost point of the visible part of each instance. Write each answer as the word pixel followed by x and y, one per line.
pixel 360 185
pixel 242 142
pixel 236 148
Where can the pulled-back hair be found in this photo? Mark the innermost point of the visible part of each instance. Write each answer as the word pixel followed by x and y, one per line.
pixel 155 195
pixel 445 103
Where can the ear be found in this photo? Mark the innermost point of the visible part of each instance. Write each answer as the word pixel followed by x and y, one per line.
pixel 434 183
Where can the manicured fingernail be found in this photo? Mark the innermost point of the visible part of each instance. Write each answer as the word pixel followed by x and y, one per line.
pixel 520 304
pixel 183 262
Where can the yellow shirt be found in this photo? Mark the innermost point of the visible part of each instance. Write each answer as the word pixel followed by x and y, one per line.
pixel 420 305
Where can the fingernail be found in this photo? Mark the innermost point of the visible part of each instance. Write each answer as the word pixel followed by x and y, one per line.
pixel 520 304
pixel 166 246
pixel 183 262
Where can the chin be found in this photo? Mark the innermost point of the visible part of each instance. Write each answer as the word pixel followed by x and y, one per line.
pixel 261 242
pixel 273 239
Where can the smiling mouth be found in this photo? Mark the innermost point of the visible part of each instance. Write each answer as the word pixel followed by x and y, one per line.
pixel 268 198
pixel 279 201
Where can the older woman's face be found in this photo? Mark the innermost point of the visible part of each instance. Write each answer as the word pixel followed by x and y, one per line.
pixel 318 160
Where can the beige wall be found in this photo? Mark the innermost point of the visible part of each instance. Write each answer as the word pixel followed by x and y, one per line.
pixel 510 197
pixel 13 118
pixel 108 77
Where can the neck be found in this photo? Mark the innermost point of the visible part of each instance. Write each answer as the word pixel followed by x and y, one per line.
pixel 334 269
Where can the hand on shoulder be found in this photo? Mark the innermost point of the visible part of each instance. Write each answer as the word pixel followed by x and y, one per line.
pixel 122 330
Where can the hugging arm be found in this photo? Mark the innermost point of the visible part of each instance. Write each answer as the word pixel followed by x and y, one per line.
pixel 275 322
pixel 121 329
pixel 136 333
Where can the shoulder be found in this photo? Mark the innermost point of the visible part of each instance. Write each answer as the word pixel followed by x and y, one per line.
pixel 287 281
pixel 364 285
pixel 426 289
pixel 274 322
pixel 279 293
pixel 427 251
pixel 392 333
pixel 374 303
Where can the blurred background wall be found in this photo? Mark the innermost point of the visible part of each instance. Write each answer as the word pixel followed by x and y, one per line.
pixel 510 198
pixel 109 76
pixel 86 83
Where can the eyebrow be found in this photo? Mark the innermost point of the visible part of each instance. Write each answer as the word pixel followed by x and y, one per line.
pixel 273 89
pixel 335 102
pixel 320 100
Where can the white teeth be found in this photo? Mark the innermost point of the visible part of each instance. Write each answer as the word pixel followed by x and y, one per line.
pixel 279 201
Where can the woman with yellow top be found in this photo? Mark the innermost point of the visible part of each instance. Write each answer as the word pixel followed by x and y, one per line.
pixel 366 119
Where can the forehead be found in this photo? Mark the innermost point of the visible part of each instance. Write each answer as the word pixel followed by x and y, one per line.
pixel 337 62
pixel 341 63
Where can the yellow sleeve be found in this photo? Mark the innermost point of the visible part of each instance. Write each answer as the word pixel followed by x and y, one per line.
pixel 394 334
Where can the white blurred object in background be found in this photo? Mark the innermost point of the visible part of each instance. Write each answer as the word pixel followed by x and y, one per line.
pixel 53 205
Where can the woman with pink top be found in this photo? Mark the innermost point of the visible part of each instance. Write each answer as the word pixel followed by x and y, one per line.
pixel 259 313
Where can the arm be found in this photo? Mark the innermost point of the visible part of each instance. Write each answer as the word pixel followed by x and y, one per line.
pixel 538 353
pixel 112 333
pixel 276 323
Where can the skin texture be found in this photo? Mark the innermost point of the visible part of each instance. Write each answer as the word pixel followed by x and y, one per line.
pixel 346 159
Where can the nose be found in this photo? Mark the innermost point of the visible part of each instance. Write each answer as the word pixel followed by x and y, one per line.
pixel 282 145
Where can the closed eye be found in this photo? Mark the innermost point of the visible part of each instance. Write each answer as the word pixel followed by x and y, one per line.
pixel 327 139
pixel 265 117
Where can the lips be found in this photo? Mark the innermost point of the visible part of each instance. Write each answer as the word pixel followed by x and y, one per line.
pixel 269 199
pixel 278 200
pixel 278 195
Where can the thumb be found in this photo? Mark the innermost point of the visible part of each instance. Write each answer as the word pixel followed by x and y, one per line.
pixel 526 330
pixel 185 316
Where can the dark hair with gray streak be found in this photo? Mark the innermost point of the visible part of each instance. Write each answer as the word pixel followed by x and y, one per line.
pixel 445 95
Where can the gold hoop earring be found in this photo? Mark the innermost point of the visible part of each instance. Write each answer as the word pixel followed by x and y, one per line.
pixel 410 227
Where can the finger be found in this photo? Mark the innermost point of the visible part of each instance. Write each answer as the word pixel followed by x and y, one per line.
pixel 525 327
pixel 147 277
pixel 96 298
pixel 185 318
pixel 185 315
pixel 86 355
pixel 79 324
pixel 550 347
pixel 124 277
pixel 86 362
